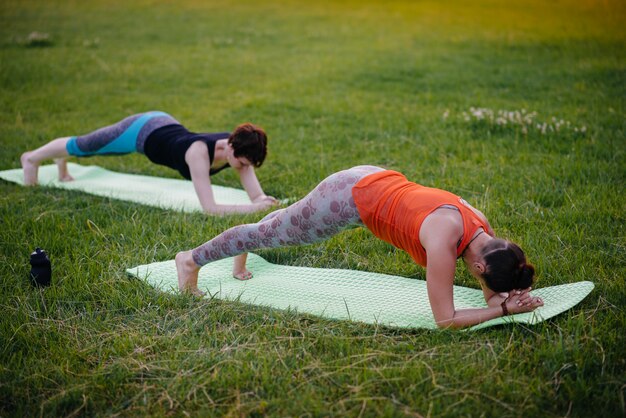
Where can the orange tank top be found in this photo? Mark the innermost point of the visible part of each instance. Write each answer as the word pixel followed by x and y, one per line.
pixel 394 208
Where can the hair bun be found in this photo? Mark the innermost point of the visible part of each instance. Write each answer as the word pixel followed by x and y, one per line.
pixel 526 275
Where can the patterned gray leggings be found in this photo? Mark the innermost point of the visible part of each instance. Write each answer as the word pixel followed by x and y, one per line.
pixel 324 212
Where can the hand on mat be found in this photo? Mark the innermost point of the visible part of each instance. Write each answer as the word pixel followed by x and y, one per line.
pixel 267 200
pixel 497 299
pixel 521 301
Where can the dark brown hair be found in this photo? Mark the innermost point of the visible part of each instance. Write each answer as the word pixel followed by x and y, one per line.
pixel 249 141
pixel 505 266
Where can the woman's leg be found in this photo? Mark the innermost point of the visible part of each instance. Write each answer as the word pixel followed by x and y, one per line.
pixel 31 160
pixel 240 272
pixel 324 212
pixel 64 174
pixel 123 137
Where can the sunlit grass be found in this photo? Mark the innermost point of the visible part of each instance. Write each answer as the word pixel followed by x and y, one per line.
pixel 335 84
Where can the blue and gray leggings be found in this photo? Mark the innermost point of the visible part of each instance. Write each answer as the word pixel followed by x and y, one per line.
pixel 324 212
pixel 124 137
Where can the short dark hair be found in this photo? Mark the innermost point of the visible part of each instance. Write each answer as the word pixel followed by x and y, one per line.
pixel 249 141
pixel 505 266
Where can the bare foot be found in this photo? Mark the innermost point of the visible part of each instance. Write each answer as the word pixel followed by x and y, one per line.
pixel 187 271
pixel 30 169
pixel 242 275
pixel 64 174
pixel 240 272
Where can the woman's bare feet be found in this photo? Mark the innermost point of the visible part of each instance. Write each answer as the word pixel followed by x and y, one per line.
pixel 187 270
pixel 30 169
pixel 242 275
pixel 64 174
pixel 240 272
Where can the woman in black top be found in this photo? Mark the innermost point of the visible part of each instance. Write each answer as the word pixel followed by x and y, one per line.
pixel 165 141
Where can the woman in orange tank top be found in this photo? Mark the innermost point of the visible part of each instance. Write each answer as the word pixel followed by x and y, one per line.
pixel 434 226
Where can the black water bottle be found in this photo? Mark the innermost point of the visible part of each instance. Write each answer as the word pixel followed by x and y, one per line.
pixel 41 270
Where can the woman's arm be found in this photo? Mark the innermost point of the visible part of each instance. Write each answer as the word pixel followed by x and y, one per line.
pixel 439 235
pixel 439 281
pixel 492 298
pixel 440 270
pixel 197 158
pixel 251 184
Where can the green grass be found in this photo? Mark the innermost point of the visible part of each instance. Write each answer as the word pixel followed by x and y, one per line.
pixel 335 84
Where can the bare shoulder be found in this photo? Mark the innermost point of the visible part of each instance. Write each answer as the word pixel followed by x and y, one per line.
pixel 197 151
pixel 198 146
pixel 441 226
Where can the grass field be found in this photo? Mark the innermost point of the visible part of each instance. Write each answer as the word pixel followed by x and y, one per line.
pixel 335 84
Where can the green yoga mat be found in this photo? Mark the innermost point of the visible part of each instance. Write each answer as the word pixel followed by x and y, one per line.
pixel 347 294
pixel 153 191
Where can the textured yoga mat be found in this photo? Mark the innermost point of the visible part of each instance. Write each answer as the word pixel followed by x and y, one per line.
pixel 347 294
pixel 153 191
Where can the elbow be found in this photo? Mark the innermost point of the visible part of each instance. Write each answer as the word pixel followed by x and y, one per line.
pixel 448 325
pixel 212 210
pixel 448 322
pixel 444 323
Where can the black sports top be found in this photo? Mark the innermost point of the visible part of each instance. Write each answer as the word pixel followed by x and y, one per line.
pixel 167 146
